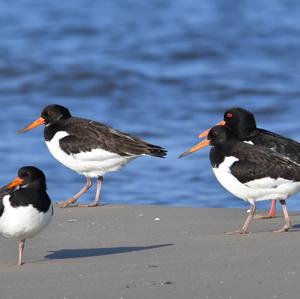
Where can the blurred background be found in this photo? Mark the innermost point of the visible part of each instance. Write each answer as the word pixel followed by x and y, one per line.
pixel 164 70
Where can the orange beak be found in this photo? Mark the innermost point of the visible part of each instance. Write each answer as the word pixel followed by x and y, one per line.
pixel 38 122
pixel 195 148
pixel 205 133
pixel 16 182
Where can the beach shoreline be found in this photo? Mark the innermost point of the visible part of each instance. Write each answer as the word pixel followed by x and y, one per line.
pixel 146 252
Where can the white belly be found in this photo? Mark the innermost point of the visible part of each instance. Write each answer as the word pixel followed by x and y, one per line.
pixel 257 190
pixel 22 222
pixel 90 164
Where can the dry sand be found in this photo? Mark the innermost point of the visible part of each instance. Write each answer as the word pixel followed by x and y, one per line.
pixel 141 252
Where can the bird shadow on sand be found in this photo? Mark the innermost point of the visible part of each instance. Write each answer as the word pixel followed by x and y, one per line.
pixel 295 228
pixel 90 252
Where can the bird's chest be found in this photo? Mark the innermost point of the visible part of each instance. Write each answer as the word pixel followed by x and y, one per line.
pixel 225 177
pixel 223 172
pixel 22 221
pixel 55 149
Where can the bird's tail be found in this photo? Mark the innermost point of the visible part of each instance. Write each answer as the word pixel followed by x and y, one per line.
pixel 156 151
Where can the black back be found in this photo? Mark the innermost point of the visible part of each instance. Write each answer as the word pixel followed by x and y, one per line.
pixel 280 144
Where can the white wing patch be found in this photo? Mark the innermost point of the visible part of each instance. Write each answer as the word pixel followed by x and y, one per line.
pixel 267 183
pixel 95 155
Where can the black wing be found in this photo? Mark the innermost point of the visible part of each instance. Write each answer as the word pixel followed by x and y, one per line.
pixel 282 145
pixel 87 135
pixel 2 194
pixel 257 162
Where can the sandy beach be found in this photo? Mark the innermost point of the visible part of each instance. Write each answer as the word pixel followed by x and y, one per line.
pixel 143 252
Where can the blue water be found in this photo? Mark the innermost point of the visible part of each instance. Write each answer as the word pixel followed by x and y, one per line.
pixel 164 70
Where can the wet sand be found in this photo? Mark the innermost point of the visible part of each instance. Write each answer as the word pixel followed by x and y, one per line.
pixel 141 252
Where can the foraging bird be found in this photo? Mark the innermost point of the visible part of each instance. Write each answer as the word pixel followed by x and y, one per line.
pixel 25 207
pixel 252 173
pixel 88 147
pixel 243 124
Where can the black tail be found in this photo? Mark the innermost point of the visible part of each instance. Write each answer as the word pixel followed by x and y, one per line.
pixel 156 151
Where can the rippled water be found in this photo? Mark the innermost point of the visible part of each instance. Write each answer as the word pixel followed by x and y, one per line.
pixel 163 70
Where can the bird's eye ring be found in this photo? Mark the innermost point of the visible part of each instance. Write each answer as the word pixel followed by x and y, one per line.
pixel 229 115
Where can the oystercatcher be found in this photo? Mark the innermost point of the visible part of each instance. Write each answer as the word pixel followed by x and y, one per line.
pixel 25 207
pixel 88 147
pixel 252 173
pixel 243 124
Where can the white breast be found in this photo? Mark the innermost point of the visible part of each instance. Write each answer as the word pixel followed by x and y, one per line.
pixel 91 164
pixel 227 180
pixel 22 222
pixel 256 190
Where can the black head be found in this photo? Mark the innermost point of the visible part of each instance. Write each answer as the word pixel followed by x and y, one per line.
pixel 29 177
pixel 241 121
pixel 54 113
pixel 221 136
pixel 50 115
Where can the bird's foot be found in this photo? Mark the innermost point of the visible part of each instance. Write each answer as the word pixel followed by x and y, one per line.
pixel 91 205
pixel 237 232
pixel 265 216
pixel 284 229
pixel 69 203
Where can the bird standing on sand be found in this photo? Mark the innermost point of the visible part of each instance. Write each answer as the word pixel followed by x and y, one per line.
pixel 88 147
pixel 243 124
pixel 252 173
pixel 25 207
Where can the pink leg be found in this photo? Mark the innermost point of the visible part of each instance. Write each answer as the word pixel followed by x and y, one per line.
pixel 288 224
pixel 247 222
pixel 21 248
pixel 272 211
pixel 73 199
pixel 271 214
pixel 95 203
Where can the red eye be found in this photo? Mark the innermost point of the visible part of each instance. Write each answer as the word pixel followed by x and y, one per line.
pixel 229 115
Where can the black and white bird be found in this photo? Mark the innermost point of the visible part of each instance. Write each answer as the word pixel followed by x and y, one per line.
pixel 252 173
pixel 88 147
pixel 25 207
pixel 242 122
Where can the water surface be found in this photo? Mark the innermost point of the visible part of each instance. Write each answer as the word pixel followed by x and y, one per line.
pixel 163 70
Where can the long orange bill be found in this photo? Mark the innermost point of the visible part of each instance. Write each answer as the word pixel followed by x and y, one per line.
pixel 38 122
pixel 195 148
pixel 205 133
pixel 16 182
